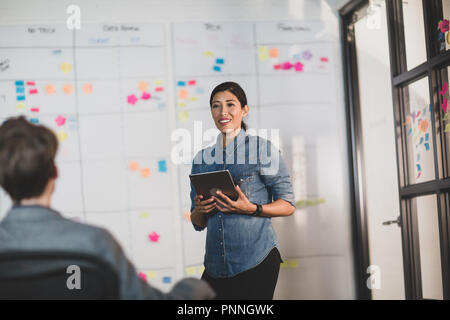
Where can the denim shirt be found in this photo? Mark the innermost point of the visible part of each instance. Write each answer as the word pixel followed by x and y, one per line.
pixel 238 242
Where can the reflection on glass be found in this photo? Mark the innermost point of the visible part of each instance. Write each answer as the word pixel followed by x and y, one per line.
pixel 430 255
pixel 413 24
pixel 442 121
pixel 419 142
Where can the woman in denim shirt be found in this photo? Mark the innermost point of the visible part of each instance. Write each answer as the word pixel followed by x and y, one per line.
pixel 242 260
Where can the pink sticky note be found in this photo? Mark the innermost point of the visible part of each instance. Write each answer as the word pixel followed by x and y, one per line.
pixel 145 96
pixel 34 109
pixel 287 65
pixel 158 89
pixel 444 89
pixel 132 99
pixel 142 276
pixel 277 66
pixel 445 105
pixel 30 83
pixel 298 66
pixel 33 91
pixel 153 237
pixel 324 59
pixel 60 121
pixel 192 83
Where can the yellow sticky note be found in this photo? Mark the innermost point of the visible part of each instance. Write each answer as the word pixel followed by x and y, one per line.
pixel 65 67
pixel 284 264
pixel 447 127
pixel 151 274
pixel 183 115
pixel 181 104
pixel 143 215
pixel 292 263
pixel 447 114
pixel 209 54
pixel 193 98
pixel 201 269
pixel 21 106
pixel 158 82
pixel 263 53
pixel 190 271
pixel 62 136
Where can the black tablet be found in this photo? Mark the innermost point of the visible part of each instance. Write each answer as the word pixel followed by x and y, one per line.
pixel 206 184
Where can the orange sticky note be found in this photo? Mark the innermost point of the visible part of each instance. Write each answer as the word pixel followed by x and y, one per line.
pixel 50 89
pixel 143 86
pixel 183 94
pixel 145 172
pixel 68 88
pixel 134 166
pixel 187 216
pixel 87 88
pixel 273 52
pixel 65 67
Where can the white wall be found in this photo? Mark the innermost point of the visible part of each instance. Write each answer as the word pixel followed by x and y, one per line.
pixel 322 267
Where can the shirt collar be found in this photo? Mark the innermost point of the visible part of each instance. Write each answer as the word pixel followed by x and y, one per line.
pixel 239 139
pixel 30 213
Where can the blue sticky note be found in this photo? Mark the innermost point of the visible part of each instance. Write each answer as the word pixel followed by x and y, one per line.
pixel 220 61
pixel 217 68
pixel 441 36
pixel 20 89
pixel 162 166
pixel 199 90
pixel 34 120
pixel 161 105
pixel 409 131
pixel 418 167
pixel 418 157
pixel 421 140
pixel 427 135
pixel 19 83
pixel 181 83
pixel 427 146
pixel 20 98
pixel 166 279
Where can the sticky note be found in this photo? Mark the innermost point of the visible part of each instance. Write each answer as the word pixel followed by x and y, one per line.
pixel 298 66
pixel 20 106
pixel 418 175
pixel 199 90
pixel 161 105
pixel 145 96
pixel 166 279
pixel 418 157
pixel 153 237
pixel 446 116
pixel 68 89
pixel 19 83
pixel 324 59
pixel 192 82
pixel 134 166
pixel 423 125
pixel 143 215
pixel 292 263
pixel 287 65
pixel 445 104
pixel 444 89
pixel 307 55
pixel 418 167
pixel 65 67
pixel 60 121
pixel 447 128
pixel 193 98
pixel 190 271
pixel 62 136
pixel 201 269
pixel 183 115
pixel 131 99
pixel 158 82
pixel 220 61
pixel 151 274
pixel 277 66
pixel 187 216
pixel 33 91
pixel 143 86
pixel 31 83
pixel 181 83
pixel 273 52
pixel 427 135
pixel 145 172
pixel 34 120
pixel 263 53
pixel 209 53
pixel 20 89
pixel 159 89
pixel 181 104
pixel 142 276
pixel 87 88
pixel 20 98
pixel 183 94
pixel 162 166
pixel 217 68
pixel 284 264
pixel 50 89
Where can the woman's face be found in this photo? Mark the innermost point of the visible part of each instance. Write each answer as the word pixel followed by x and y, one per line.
pixel 227 112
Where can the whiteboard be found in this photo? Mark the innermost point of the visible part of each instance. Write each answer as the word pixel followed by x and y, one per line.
pixel 114 93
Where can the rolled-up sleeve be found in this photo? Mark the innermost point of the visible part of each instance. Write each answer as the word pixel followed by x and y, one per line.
pixel 274 173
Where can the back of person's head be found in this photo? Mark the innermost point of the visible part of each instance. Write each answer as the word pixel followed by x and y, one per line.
pixel 27 158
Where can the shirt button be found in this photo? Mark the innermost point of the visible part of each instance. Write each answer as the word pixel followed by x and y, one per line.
pixel 221 243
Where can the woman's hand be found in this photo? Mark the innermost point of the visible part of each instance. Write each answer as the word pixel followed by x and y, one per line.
pixel 241 205
pixel 202 208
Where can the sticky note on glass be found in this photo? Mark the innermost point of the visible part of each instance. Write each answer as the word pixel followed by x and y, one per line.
pixel 193 98
pixel 209 53
pixel 199 90
pixel 166 279
pixel 263 53
pixel 298 66
pixel 131 99
pixel 181 83
pixel 447 128
pixel 151 274
pixel 162 166
pixel 145 96
pixel 292 263
pixel 62 136
pixel 65 67
pixel 273 53
pixel 143 215
pixel 34 109
pixel 187 216
pixel 20 89
pixel 201 269
pixel 20 106
pixel 444 89
pixel 67 89
pixel 181 104
pixel 60 121
pixel 159 89
pixel 183 94
pixel 284 264
pixel 145 172
pixel 190 271
pixel 134 166
pixel 50 89
pixel 153 237
pixel 217 68
pixel 87 88
pixel 183 115
pixel 192 82
pixel 34 120
pixel 20 98
pixel 143 86
pixel 158 82
pixel 418 167
pixel 19 83
pixel 220 61
pixel 323 59
pixel 142 275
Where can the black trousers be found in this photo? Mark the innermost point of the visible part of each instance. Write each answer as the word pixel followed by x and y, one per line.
pixel 257 283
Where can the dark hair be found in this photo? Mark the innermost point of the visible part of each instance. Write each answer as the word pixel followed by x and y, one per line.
pixel 235 89
pixel 27 158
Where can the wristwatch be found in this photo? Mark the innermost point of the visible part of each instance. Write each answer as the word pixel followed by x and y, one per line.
pixel 258 211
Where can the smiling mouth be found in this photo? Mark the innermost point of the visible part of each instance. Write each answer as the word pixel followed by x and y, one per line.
pixel 224 121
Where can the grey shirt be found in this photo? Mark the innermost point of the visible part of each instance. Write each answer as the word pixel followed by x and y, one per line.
pixel 35 228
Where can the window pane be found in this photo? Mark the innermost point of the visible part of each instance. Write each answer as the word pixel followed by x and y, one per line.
pixel 419 142
pixel 442 120
pixel 425 209
pixel 413 24
pixel 442 26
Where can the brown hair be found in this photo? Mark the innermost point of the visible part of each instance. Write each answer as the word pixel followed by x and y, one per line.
pixel 27 158
pixel 235 89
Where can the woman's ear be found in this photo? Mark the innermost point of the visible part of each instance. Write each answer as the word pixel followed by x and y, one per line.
pixel 246 111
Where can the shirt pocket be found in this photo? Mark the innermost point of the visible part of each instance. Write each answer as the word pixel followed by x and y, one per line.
pixel 246 183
